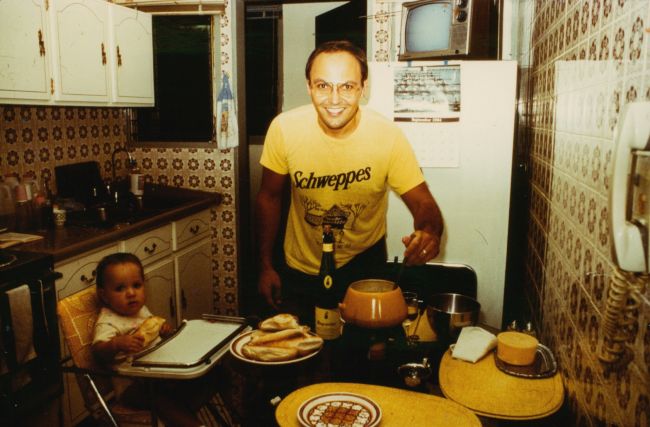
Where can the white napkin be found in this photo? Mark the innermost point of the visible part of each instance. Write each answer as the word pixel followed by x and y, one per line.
pixel 473 343
pixel 20 305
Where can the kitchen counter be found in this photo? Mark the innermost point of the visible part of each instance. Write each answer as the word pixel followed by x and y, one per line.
pixel 171 204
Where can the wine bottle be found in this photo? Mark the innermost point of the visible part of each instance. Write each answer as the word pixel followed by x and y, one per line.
pixel 327 316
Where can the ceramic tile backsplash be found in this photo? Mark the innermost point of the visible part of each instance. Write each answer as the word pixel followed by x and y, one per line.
pixel 588 59
pixel 36 139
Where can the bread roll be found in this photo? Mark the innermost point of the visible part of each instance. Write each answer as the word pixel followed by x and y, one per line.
pixel 279 322
pixel 150 329
pixel 277 336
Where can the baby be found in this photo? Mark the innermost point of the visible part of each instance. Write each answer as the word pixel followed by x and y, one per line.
pixel 120 287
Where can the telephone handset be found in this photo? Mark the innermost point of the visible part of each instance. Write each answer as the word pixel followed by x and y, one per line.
pixel 630 235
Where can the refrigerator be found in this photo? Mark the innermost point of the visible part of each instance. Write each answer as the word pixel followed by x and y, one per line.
pixel 459 116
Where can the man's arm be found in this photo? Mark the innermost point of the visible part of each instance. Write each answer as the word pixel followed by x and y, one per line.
pixel 424 243
pixel 268 208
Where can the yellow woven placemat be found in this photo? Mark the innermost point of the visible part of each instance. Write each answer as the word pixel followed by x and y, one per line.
pixel 484 389
pixel 398 407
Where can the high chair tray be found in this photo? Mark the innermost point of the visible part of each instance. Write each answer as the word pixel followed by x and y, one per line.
pixel 190 351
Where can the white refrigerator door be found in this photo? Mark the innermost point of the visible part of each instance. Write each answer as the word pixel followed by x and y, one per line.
pixel 471 179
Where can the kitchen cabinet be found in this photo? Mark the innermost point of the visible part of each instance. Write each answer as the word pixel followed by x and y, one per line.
pixel 177 261
pixel 75 52
pixel 24 51
pixel 81 65
pixel 161 291
pixel 132 56
pixel 193 265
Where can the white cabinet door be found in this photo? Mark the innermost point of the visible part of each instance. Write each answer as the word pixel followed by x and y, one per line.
pixel 160 290
pixel 194 276
pixel 81 63
pixel 132 56
pixel 24 51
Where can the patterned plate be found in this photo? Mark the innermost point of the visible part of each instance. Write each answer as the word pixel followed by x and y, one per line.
pixel 339 409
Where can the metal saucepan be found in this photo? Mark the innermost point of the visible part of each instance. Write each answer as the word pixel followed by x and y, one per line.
pixel 449 313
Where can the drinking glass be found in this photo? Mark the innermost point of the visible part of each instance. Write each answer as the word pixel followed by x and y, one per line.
pixel 412 308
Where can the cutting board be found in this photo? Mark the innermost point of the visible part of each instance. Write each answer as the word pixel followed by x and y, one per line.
pixel 399 407
pixel 487 391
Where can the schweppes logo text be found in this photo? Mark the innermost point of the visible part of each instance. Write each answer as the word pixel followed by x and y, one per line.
pixel 342 180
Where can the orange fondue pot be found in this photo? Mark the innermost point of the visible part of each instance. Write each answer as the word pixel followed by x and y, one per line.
pixel 373 303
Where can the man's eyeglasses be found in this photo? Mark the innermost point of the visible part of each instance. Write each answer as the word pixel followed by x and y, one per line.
pixel 346 89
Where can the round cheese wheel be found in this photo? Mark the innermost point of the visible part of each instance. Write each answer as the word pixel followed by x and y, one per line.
pixel 516 348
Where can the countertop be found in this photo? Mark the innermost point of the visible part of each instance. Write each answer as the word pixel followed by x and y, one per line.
pixel 71 240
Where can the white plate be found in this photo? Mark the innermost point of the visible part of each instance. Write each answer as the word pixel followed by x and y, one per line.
pixel 236 350
pixel 341 409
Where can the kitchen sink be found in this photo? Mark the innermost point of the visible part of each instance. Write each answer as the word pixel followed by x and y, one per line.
pixel 130 209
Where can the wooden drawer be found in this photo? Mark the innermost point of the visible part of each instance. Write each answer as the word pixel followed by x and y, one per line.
pixel 191 229
pixel 80 273
pixel 150 246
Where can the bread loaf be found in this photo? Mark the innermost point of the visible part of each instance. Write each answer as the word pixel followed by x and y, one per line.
pixel 279 322
pixel 150 329
pixel 281 338
pixel 516 348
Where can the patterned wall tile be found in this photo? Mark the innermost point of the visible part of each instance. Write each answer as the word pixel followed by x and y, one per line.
pixel 598 50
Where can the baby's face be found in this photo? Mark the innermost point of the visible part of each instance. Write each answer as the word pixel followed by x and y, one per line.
pixel 123 288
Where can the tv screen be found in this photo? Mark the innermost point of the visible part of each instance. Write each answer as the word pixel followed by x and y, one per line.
pixel 427 27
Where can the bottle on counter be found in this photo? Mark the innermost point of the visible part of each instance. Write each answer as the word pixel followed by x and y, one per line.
pixel 327 315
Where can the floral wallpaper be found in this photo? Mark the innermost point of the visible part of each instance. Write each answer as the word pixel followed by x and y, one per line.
pixel 580 62
pixel 36 139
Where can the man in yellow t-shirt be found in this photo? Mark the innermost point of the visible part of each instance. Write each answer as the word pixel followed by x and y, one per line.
pixel 341 160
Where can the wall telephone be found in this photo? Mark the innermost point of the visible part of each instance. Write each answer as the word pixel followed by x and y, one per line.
pixel 629 228
pixel 630 231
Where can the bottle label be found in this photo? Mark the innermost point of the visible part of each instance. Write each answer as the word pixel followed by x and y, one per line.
pixel 328 281
pixel 328 323
pixel 328 247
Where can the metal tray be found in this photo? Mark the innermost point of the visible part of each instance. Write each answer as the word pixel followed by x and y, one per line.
pixel 544 365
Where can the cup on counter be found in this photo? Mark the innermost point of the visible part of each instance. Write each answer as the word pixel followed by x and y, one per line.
pixel 59 217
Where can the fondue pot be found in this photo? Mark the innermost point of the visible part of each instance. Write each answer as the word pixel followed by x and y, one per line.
pixel 373 303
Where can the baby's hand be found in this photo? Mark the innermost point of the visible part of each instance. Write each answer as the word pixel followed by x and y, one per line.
pixel 129 343
pixel 166 330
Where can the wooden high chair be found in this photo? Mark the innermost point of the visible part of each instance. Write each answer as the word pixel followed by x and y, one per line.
pixel 77 316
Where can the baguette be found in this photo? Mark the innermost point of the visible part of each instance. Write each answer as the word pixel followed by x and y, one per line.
pixel 279 322
pixel 269 354
pixel 277 336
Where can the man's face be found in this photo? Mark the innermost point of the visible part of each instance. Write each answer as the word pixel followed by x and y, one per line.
pixel 335 88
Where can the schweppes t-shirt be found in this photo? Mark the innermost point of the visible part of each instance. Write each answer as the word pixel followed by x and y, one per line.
pixel 341 182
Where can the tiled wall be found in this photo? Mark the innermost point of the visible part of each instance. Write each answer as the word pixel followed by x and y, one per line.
pixel 36 139
pixel 582 62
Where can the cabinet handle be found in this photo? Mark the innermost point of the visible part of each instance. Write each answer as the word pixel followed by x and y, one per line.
pixel 150 250
pixel 103 55
pixel 89 280
pixel 119 57
pixel 41 43
pixel 194 229
pixel 183 300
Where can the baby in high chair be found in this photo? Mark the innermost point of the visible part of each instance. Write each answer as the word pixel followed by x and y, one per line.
pixel 121 289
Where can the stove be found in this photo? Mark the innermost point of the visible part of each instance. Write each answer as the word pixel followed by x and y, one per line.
pixel 32 377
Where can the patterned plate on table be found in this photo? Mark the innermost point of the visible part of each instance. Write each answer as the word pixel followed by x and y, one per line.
pixel 339 409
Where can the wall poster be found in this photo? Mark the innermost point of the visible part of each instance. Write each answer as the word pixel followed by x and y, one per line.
pixel 427 93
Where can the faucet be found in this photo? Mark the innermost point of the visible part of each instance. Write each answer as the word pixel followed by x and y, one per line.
pixel 130 162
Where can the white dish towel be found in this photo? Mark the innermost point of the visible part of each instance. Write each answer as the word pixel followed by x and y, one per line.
pixel 20 305
pixel 473 343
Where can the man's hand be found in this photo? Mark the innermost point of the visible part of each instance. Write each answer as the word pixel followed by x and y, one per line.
pixel 420 247
pixel 269 286
pixel 128 343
